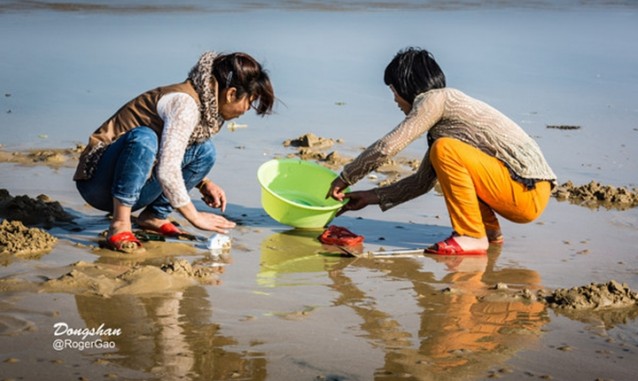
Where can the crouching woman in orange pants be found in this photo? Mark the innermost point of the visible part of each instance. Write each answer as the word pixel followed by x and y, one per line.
pixel 484 162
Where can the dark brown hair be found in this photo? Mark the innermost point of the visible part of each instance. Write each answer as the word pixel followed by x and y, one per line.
pixel 243 72
pixel 413 71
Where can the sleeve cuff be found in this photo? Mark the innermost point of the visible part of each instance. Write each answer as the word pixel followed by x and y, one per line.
pixel 384 202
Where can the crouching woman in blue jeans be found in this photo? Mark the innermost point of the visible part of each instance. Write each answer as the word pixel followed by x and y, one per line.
pixel 158 146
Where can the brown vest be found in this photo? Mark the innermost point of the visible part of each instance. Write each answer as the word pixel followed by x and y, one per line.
pixel 141 111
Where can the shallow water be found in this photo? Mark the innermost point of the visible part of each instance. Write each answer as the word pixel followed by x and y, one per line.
pixel 285 309
pixel 64 72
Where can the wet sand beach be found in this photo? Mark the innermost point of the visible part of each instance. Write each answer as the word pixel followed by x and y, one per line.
pixel 556 301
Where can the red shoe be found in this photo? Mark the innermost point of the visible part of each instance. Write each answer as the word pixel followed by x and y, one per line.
pixel 451 247
pixel 122 242
pixel 340 236
pixel 170 230
pixel 167 230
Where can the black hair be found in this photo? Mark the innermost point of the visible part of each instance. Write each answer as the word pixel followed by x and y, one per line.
pixel 413 71
pixel 244 73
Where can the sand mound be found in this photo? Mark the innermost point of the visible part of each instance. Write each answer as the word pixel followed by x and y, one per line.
pixel 593 297
pixel 39 211
pixel 605 304
pixel 594 195
pixel 19 240
pixel 55 157
pixel 312 147
pixel 310 140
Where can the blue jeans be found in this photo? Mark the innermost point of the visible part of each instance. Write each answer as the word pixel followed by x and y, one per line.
pixel 126 172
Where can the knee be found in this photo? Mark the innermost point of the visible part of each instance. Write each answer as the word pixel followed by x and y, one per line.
pixel 539 199
pixel 524 217
pixel 143 137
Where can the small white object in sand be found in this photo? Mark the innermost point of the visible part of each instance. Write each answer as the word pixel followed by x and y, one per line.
pixel 218 242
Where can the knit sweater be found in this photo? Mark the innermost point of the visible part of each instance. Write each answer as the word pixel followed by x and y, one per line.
pixel 450 113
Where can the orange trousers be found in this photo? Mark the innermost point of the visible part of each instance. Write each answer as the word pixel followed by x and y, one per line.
pixel 476 186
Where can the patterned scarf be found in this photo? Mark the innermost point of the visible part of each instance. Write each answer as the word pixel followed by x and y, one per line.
pixel 201 75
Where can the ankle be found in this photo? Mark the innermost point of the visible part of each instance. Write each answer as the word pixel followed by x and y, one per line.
pixel 118 226
pixel 471 243
pixel 494 235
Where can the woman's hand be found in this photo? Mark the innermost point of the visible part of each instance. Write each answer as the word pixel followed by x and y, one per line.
pixel 204 220
pixel 336 189
pixel 359 200
pixel 213 222
pixel 213 195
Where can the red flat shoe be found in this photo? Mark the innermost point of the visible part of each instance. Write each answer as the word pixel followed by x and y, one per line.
pixel 122 242
pixel 340 236
pixel 166 230
pixel 451 247
pixel 170 230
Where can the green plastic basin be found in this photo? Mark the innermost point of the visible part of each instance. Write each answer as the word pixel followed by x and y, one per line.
pixel 293 192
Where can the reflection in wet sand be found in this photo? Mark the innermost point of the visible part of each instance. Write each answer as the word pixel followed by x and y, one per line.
pixel 421 318
pixel 466 324
pixel 170 336
pixel 293 251
pixel 464 328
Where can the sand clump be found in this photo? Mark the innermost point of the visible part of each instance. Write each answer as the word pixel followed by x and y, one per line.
pixel 331 160
pixel 563 127
pixel 21 241
pixel 595 195
pixel 312 147
pixel 181 267
pixel 310 140
pixel 604 304
pixel 593 297
pixel 32 212
pixel 55 157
